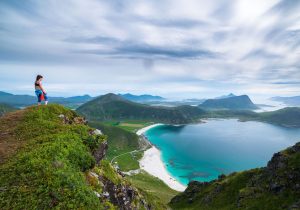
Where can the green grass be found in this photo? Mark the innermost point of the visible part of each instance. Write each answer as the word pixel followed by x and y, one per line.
pixel 120 141
pixel 129 161
pixel 153 186
pixel 129 125
pixel 52 169
pixel 108 172
pixel 5 108
pixel 49 170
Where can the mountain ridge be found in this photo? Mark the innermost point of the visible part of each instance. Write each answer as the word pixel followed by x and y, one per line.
pixel 27 100
pixel 114 107
pixel 234 102
pixel 141 98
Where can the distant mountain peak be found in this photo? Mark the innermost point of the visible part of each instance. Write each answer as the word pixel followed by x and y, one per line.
pixel 226 96
pixel 111 97
pixel 141 98
pixel 2 93
pixel 234 102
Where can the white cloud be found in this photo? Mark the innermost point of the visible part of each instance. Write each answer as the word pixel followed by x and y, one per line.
pixel 134 45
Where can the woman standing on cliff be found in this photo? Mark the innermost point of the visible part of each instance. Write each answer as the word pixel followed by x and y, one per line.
pixel 39 90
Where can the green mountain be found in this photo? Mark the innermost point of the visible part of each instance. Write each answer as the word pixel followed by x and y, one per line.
pixel 289 117
pixel 114 107
pixel 50 159
pixel 5 108
pixel 274 187
pixel 242 102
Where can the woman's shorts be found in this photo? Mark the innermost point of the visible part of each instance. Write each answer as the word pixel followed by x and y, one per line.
pixel 40 95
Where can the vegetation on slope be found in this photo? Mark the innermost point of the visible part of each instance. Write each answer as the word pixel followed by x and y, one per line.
pixel 121 142
pixel 45 172
pixel 153 186
pixel 289 117
pixel 5 108
pixel 276 186
pixel 50 158
pixel 112 107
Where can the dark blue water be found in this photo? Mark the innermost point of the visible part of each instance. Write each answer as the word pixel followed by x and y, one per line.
pixel 203 151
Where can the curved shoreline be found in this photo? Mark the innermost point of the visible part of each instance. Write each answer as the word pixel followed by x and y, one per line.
pixel 152 163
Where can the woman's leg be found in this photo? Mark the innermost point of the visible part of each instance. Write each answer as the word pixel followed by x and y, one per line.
pixel 46 99
pixel 39 94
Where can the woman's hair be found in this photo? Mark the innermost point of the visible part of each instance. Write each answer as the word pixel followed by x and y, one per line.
pixel 38 77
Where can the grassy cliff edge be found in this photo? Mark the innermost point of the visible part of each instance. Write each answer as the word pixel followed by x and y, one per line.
pixel 51 159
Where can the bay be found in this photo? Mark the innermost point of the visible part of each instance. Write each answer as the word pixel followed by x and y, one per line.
pixel 218 146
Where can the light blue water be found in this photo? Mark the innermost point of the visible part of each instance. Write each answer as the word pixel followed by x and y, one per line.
pixel 203 151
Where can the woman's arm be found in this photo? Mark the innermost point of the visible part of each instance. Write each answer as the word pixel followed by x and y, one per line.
pixel 42 88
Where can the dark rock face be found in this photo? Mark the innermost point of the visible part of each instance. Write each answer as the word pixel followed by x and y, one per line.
pixel 281 175
pixel 100 153
pixel 122 195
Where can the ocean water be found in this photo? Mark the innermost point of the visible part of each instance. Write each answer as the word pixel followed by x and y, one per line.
pixel 204 151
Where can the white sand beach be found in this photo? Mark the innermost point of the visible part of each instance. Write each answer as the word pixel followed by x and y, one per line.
pixel 143 130
pixel 152 163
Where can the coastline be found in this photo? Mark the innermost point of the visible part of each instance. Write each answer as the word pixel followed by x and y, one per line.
pixel 151 162
pixel 143 130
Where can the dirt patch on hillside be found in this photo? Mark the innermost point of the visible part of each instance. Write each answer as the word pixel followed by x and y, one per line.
pixel 9 142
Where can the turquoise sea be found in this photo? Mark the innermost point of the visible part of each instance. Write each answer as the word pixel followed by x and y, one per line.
pixel 203 151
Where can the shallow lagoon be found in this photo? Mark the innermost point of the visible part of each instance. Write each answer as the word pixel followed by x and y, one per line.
pixel 203 151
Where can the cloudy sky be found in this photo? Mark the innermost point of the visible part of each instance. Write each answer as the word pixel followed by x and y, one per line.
pixel 173 48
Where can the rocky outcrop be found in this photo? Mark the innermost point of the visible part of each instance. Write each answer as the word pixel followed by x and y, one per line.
pixel 115 190
pixel 100 152
pixel 72 120
pixel 281 174
pixel 123 196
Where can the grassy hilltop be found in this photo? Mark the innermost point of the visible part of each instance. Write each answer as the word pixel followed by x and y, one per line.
pixel 51 159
